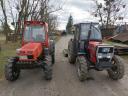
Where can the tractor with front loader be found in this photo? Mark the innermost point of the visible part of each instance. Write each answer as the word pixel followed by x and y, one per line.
pixel 37 51
pixel 87 50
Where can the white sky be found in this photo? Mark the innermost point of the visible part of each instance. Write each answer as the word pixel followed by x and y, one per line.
pixel 79 9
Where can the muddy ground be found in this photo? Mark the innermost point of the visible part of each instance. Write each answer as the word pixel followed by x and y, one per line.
pixel 65 81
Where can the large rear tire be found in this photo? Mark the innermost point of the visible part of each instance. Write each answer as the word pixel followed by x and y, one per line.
pixel 71 52
pixel 117 71
pixel 82 69
pixel 53 58
pixel 52 51
pixel 11 72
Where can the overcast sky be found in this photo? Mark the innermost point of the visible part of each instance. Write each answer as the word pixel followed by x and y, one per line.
pixel 79 9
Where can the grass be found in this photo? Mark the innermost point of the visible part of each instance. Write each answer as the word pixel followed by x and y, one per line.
pixel 8 50
pixel 2 37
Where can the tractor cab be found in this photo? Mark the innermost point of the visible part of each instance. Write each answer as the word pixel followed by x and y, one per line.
pixel 83 30
pixel 85 33
pixel 35 31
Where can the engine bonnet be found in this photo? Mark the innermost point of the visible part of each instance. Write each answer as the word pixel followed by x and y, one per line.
pixel 34 49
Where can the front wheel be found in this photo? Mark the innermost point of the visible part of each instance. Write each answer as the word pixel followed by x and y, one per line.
pixel 71 52
pixel 11 73
pixel 117 71
pixel 48 68
pixel 82 69
pixel 53 58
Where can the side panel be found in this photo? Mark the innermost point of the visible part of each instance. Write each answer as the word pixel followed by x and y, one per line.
pixel 92 50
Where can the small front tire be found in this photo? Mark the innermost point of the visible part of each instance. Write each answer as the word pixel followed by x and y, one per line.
pixel 11 73
pixel 82 69
pixel 53 58
pixel 117 71
pixel 48 68
pixel 71 52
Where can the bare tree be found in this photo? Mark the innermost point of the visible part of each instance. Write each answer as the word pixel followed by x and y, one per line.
pixel 110 11
pixel 40 10
pixel 36 10
pixel 5 23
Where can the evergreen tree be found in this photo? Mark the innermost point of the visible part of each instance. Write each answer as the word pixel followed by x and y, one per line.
pixel 69 25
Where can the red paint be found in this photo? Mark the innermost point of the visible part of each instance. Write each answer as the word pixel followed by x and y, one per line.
pixel 92 50
pixel 34 49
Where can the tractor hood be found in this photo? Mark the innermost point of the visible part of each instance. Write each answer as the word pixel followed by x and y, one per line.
pixel 30 49
pixel 95 44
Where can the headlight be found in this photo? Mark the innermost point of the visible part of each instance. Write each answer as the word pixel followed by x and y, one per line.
pixel 100 55
pixel 109 55
pixel 17 51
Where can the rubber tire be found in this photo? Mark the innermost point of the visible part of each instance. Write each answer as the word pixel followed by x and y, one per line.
pixel 48 68
pixel 71 52
pixel 11 73
pixel 53 58
pixel 52 52
pixel 119 70
pixel 82 69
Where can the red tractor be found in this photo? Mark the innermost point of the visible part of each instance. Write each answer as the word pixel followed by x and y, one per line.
pixel 87 51
pixel 36 51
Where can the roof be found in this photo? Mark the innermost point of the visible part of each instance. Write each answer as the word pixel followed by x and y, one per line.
pixel 123 37
pixel 94 23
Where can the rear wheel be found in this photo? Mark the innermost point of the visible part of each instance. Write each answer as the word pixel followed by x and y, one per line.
pixel 82 69
pixel 48 68
pixel 117 71
pixel 11 72
pixel 71 52
pixel 53 58
pixel 52 51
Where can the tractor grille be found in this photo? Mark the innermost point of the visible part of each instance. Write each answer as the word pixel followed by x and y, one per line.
pixel 104 60
pixel 105 53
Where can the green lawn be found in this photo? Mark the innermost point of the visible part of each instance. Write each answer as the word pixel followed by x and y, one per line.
pixel 8 50
pixel 2 37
